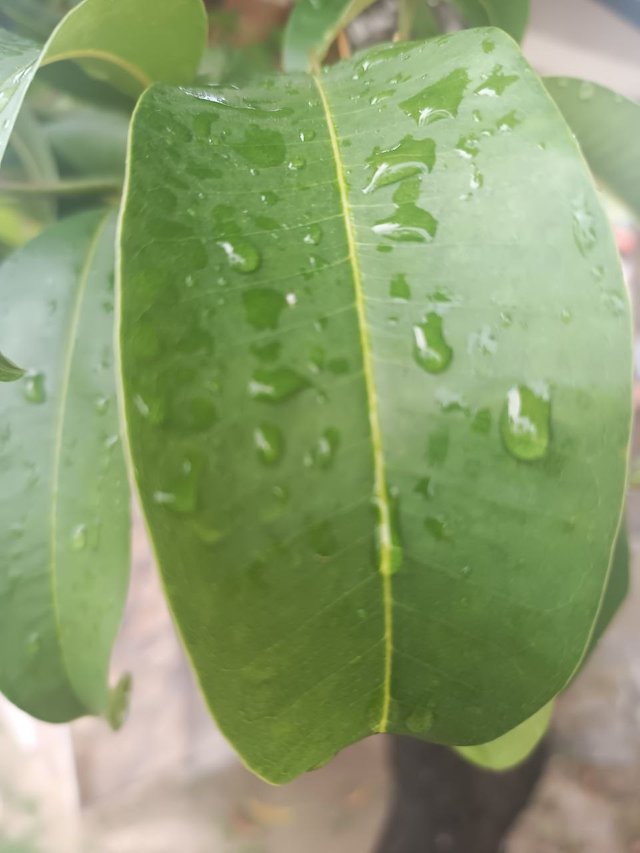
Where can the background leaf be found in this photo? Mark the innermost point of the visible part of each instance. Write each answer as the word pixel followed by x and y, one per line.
pixel 511 16
pixel 63 487
pixel 127 44
pixel 514 746
pixel 606 125
pixel 9 371
pixel 391 283
pixel 313 26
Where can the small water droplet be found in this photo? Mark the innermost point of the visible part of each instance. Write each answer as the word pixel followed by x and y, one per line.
pixel 313 235
pixel 481 421
pixel 437 527
pixel 296 164
pixel 496 83
pixel 291 299
pixel 419 721
pixel 586 91
pixel 79 537
pixel 566 316
pixel 323 454
pixel 431 350
pixel 242 256
pixel 34 388
pixel 102 405
pixel 269 198
pixel 269 443
pixel 183 484
pixel 277 384
pixel 584 227
pixel 524 423
pixel 424 487
pixel 307 135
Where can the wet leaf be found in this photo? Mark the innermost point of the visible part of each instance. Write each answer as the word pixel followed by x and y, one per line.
pixel 607 126
pixel 412 348
pixel 64 506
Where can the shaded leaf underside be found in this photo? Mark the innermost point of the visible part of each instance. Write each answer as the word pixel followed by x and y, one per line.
pixel 337 294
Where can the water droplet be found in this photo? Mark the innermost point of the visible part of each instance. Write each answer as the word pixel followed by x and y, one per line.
pixel 263 306
pixel 431 350
pixel 313 235
pixel 269 443
pixel 276 384
pixel 586 91
pixel 506 319
pixel 307 135
pixel 450 401
pixel 481 421
pixel 437 527
pixel 524 423
pixel 420 721
pixel 291 299
pixel 465 571
pixel 496 83
pixel 409 224
pixel 262 147
pixel 242 256
pixel 566 316
pixel 34 388
pixel 183 484
pixel 584 227
pixel 79 537
pixel 468 146
pixel 269 198
pixel 102 405
pixel 323 454
pixel 296 164
pixel 408 158
pixel 323 540
pixel 424 487
pixel 482 342
pixel 440 100
pixel 488 45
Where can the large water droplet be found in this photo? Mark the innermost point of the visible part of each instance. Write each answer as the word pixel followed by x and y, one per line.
pixel 34 388
pixel 438 101
pixel 431 350
pixel 269 443
pixel 313 235
pixel 408 158
pixel 277 384
pixel 263 306
pixel 409 224
pixel 525 421
pixel 242 256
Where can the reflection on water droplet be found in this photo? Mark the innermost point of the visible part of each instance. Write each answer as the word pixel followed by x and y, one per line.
pixel 440 100
pixel 296 164
pixel 269 443
pixel 269 198
pixel 263 306
pixel 102 405
pixel 79 537
pixel 34 388
pixel 525 421
pixel 307 135
pixel 242 256
pixel 419 721
pixel 408 158
pixel 409 224
pixel 399 288
pixel 431 350
pixel 313 235
pixel 277 384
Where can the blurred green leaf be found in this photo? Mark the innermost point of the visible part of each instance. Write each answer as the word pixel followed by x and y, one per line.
pixel 355 341
pixel 513 747
pixel 64 510
pixel 312 28
pixel 416 20
pixel 607 126
pixel 9 371
pixel 511 16
pixel 89 141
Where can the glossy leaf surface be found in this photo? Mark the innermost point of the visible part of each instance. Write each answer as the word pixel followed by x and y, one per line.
pixel 63 489
pixel 376 358
pixel 510 15
pixel 607 126
pixel 129 44
pixel 313 26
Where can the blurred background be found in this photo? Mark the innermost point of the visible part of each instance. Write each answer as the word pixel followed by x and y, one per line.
pixel 167 781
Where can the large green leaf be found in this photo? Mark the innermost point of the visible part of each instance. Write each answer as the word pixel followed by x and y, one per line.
pixel 130 44
pixel 390 283
pixel 608 127
pixel 63 488
pixel 312 27
pixel 510 15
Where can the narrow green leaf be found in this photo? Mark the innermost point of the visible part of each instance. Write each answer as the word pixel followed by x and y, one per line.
pixel 377 391
pixel 607 126
pixel 64 531
pixel 312 28
pixel 513 747
pixel 511 16
pixel 130 44
pixel 9 371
